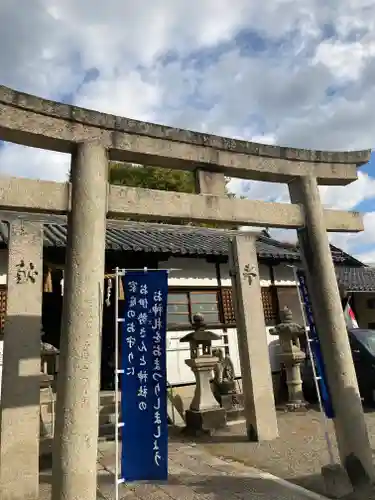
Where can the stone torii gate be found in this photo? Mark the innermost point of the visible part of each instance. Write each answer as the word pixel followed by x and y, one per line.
pixel 92 138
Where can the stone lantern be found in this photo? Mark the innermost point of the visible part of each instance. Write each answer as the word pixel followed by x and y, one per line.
pixel 48 371
pixel 291 356
pixel 205 414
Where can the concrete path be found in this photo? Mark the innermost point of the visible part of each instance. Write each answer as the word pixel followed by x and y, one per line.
pixel 196 475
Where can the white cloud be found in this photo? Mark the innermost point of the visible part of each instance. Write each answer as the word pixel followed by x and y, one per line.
pixel 348 197
pixel 345 60
pixel 301 74
pixel 127 95
pixel 19 161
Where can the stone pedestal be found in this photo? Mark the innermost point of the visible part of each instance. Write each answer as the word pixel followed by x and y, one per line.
pixel 291 357
pixel 203 397
pixel 296 400
pixel 205 414
pixel 336 481
pixel 233 404
pixel 224 386
pixel 205 422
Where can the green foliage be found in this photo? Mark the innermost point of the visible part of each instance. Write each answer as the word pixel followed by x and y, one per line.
pixel 128 174
pixel 151 177
pixel 157 178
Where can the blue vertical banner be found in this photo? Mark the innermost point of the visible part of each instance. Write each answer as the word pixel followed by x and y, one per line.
pixel 144 454
pixel 315 347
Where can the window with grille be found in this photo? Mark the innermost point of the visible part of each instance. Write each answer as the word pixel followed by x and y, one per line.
pixel 206 303
pixel 178 311
pixel 3 307
pixel 269 301
pixel 270 309
pixel 183 305
pixel 228 306
pixel 216 305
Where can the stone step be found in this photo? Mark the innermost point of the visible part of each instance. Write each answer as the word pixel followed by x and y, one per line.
pixel 107 424
pixel 108 398
pixel 107 432
pixel 235 414
pixel 107 417
pixel 107 414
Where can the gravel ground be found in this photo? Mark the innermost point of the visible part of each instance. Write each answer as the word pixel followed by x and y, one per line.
pixel 297 455
pixel 194 474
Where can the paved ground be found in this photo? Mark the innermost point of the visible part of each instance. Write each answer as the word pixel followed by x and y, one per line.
pixel 297 455
pixel 194 475
pixel 221 468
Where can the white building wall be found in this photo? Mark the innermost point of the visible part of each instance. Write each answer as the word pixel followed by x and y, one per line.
pixel 190 272
pixel 3 281
pixel 195 273
pixel 365 310
pixel 284 275
pixel 3 266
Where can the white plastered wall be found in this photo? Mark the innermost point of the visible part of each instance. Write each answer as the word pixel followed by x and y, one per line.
pixel 3 281
pixel 191 272
pixel 3 266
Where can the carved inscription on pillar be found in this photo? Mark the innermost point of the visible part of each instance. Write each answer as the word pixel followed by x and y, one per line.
pixel 249 273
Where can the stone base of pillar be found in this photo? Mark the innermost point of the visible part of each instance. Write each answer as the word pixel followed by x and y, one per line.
pixel 336 481
pixel 205 421
pixel 294 406
pixel 233 405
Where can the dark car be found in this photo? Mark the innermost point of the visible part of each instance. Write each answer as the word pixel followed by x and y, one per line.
pixel 362 343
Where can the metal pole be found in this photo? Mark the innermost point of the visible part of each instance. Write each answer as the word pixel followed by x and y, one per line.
pixel 122 272
pixel 316 378
pixel 116 386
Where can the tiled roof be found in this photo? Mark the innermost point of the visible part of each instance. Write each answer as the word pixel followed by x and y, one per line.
pixel 164 239
pixel 356 279
pixel 198 241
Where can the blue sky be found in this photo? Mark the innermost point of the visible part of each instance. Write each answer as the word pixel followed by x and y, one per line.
pixel 294 73
pixel 367 205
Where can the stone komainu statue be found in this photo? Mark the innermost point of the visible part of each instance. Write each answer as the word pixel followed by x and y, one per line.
pixel 224 377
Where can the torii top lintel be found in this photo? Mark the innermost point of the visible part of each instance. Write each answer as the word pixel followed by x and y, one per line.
pixel 36 122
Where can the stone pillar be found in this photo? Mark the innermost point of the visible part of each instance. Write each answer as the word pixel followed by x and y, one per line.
pixel 20 410
pixel 257 384
pixel 351 432
pixel 77 407
pixel 209 182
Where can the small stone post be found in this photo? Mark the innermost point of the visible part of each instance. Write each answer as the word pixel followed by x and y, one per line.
pixel 205 414
pixel 292 357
